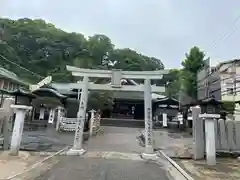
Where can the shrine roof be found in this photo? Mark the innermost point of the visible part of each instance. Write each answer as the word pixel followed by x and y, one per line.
pixel 21 92
pixel 210 100
pixel 10 75
pixel 168 100
pixel 48 92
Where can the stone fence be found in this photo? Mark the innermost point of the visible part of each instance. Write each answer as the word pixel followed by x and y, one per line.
pixel 212 135
pixel 69 124
pixel 227 135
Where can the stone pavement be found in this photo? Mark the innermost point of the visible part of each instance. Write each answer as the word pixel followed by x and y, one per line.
pixel 121 145
pixel 119 139
pixel 174 143
pixel 46 139
pixel 96 168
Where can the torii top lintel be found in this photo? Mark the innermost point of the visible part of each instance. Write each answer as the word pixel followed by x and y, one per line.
pixel 123 74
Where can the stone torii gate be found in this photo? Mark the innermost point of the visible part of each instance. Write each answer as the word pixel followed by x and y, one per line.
pixel 115 76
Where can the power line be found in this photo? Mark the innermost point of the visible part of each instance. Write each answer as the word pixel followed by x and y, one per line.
pixel 226 33
pixel 33 73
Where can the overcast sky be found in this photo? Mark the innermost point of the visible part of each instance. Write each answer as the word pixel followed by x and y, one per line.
pixel 165 29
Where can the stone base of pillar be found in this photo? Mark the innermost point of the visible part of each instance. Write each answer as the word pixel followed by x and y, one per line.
pixel 76 152
pixel 152 156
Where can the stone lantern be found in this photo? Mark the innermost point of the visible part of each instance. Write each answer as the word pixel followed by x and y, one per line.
pixel 22 97
pixel 210 106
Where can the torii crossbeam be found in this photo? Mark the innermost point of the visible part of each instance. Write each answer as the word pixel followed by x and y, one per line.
pixel 116 75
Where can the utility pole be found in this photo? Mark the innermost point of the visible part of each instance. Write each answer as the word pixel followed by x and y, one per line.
pixel 206 78
pixel 234 84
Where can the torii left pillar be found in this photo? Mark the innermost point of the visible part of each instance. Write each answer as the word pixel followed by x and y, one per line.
pixel 20 111
pixel 77 148
pixel 149 151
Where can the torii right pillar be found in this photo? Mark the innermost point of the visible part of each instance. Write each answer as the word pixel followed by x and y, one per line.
pixel 149 151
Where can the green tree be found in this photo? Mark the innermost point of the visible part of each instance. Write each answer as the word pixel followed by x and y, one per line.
pixel 173 83
pixel 194 62
pixel 46 50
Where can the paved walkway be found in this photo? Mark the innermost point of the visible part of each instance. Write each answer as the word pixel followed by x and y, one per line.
pixel 119 139
pixel 75 168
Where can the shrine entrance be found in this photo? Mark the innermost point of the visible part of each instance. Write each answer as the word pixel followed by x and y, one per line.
pixel 116 76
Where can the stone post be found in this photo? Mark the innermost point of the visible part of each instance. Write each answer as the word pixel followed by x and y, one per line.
pixel 51 116
pixel 149 153
pixel 77 148
pixel 210 137
pixel 180 118
pixel 92 118
pixel 20 111
pixel 164 117
pixel 7 123
pixel 198 134
pixel 59 117
pixel 41 115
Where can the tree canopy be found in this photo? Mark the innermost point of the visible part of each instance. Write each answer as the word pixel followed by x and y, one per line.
pixel 194 62
pixel 46 50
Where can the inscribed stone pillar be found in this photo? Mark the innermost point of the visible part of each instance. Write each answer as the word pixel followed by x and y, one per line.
pixel 180 119
pixel 149 153
pixel 210 137
pixel 164 117
pixel 8 122
pixel 198 134
pixel 77 148
pixel 51 116
pixel 41 115
pixel 59 117
pixel 20 111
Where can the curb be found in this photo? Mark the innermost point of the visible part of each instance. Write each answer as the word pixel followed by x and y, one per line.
pixel 32 167
pixel 182 171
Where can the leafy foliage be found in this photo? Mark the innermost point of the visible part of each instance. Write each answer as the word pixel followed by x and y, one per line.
pixel 173 83
pixel 194 62
pixel 228 107
pixel 46 50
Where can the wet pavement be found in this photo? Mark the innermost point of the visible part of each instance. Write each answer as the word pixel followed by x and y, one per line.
pixel 119 139
pixel 46 139
pixel 174 143
pixel 75 168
